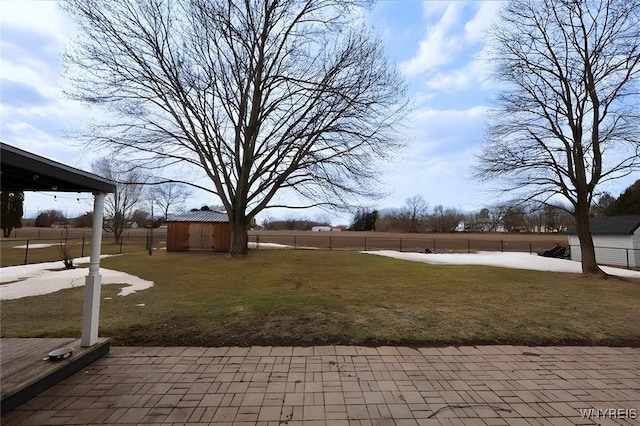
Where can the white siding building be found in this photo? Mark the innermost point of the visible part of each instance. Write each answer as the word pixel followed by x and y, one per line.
pixel 616 239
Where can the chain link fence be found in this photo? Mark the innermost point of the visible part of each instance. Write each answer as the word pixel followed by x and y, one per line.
pixel 34 245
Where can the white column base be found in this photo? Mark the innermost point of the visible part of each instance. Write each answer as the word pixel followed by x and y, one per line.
pixel 91 310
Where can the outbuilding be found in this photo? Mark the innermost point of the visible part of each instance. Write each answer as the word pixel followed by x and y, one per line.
pixel 200 230
pixel 616 240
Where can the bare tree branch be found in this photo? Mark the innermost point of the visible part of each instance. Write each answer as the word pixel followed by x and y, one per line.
pixel 568 119
pixel 262 96
pixel 120 205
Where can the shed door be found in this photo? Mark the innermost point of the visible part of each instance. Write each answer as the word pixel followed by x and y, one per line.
pixel 200 237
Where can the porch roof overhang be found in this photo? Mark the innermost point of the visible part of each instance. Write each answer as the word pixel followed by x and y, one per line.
pixel 24 171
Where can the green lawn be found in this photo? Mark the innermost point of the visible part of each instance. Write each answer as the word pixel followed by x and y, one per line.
pixel 286 297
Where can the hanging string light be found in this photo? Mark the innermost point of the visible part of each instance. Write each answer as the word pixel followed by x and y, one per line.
pixel 62 197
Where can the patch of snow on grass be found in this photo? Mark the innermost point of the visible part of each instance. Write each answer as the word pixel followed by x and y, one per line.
pixel 506 260
pixel 277 246
pixel 36 246
pixel 49 277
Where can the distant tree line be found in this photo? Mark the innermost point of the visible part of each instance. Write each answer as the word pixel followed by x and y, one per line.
pixel 498 218
pixel 52 218
pixel 292 224
pixel 416 216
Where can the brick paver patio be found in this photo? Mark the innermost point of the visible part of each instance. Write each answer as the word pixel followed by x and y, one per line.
pixel 347 385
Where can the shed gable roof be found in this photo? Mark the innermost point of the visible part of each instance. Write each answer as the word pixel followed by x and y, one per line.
pixel 613 225
pixel 199 216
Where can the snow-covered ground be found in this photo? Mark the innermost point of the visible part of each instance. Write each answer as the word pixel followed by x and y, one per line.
pixel 36 246
pixel 44 278
pixel 278 246
pixel 505 260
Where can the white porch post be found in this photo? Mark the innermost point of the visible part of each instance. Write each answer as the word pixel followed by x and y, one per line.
pixel 91 309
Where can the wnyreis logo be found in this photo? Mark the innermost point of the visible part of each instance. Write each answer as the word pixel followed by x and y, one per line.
pixel 609 413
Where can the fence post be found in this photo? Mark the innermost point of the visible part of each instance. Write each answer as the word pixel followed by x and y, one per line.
pixel 295 244
pixel 468 246
pixel 628 264
pixel 502 246
pixel 365 243
pixel 530 251
pixel 121 244
pixel 434 244
pixel 82 252
pixel 26 252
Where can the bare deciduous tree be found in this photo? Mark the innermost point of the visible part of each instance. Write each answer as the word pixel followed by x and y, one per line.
pixel 66 248
pixel 568 120
pixel 415 211
pixel 261 96
pixel 169 195
pixel 120 205
pixel 444 219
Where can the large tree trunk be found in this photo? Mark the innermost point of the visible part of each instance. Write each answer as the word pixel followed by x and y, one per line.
pixel 583 229
pixel 239 224
pixel 239 240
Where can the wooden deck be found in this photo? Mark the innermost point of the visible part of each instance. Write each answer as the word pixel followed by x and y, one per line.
pixel 25 373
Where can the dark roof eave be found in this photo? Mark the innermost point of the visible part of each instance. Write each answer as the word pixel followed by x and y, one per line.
pixel 20 167
pixel 612 225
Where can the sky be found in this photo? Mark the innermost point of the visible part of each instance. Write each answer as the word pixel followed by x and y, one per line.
pixel 439 47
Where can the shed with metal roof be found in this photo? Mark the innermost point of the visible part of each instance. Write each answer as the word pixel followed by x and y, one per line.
pixel 616 240
pixel 199 230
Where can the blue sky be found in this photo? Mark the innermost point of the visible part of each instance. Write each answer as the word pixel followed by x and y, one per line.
pixel 438 45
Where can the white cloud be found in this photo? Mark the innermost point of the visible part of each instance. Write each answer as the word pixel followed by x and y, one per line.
pixel 432 8
pixel 43 17
pixel 439 45
pixel 440 117
pixel 457 39
pixel 475 73
pixel 441 179
pixel 476 28
pixel 33 36
pixel 421 97
pixel 438 162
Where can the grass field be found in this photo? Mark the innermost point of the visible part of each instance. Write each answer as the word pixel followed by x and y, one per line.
pixel 13 251
pixel 418 242
pixel 285 297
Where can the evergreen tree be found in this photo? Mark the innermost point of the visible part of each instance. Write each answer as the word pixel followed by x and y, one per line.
pixel 627 203
pixel 364 220
pixel 11 211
